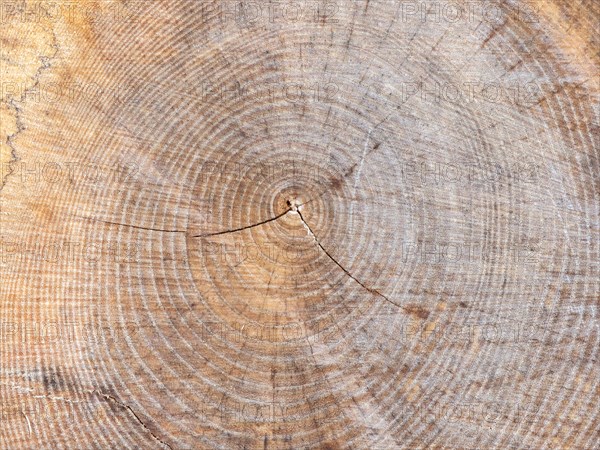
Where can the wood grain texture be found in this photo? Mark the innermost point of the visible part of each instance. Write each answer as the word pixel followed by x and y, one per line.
pixel 299 225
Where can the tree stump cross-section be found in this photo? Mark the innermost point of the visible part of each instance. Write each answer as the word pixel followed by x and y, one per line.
pixel 299 224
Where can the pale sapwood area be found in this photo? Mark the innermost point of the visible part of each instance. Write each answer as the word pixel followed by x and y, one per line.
pixel 299 225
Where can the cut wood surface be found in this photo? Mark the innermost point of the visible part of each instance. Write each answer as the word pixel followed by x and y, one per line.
pixel 300 224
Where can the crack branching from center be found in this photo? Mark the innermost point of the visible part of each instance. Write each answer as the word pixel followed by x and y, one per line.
pixel 371 290
pixel 128 408
pixel 247 227
pixel 138 227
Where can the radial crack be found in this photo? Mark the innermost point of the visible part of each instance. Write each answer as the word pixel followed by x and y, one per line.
pixel 22 390
pixel 247 227
pixel 371 290
pixel 123 405
pixel 137 227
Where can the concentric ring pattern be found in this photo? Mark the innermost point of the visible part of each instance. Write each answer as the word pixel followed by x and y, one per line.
pixel 317 224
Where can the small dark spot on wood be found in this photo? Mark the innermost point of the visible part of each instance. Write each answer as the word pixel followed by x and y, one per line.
pixel 417 311
pixel 336 183
pixel 50 380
